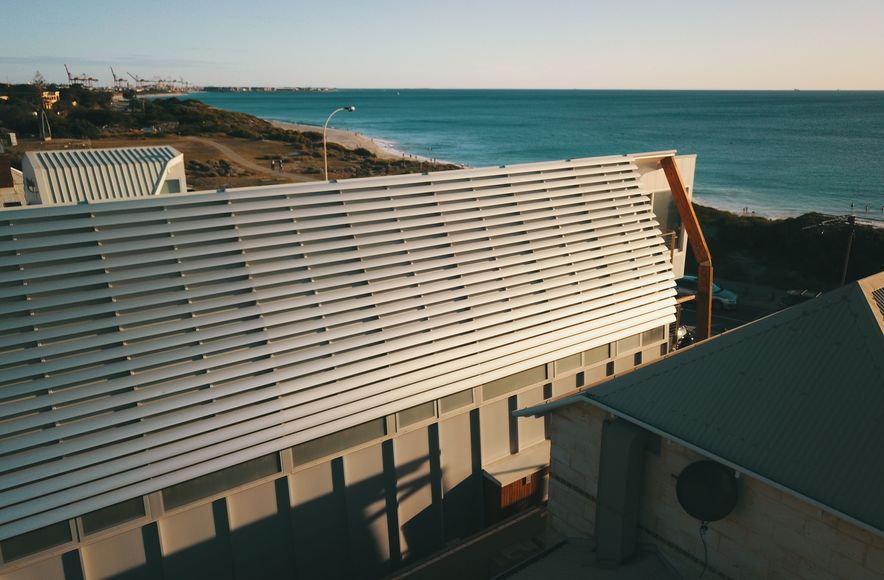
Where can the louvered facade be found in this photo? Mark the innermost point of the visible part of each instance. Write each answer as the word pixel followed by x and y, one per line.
pixel 87 175
pixel 147 342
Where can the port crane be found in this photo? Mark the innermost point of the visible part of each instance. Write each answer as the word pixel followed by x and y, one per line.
pixel 165 84
pixel 140 83
pixel 81 80
pixel 120 83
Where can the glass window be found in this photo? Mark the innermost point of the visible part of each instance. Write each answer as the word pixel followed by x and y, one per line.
pixel 335 443
pixel 416 414
pixel 113 515
pixel 568 363
pixel 513 382
pixel 456 401
pixel 36 541
pixel 596 355
pixel 208 485
pixel 652 336
pixel 171 186
pixel 628 343
pixel 666 212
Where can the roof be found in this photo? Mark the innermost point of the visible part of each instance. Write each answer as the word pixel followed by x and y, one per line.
pixel 795 398
pixel 305 309
pixel 76 175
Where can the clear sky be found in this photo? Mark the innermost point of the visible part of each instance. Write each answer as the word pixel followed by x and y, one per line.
pixel 691 44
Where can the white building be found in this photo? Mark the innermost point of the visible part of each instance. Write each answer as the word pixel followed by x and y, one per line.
pixel 313 378
pixel 78 175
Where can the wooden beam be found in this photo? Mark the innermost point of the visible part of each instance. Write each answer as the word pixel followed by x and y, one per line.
pixel 698 246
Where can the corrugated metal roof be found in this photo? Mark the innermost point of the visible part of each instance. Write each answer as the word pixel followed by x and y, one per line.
pixel 149 341
pixel 72 175
pixel 797 398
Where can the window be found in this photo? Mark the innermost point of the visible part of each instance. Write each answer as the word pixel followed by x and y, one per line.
pixel 596 355
pixel 171 186
pixel 456 401
pixel 568 363
pixel 666 212
pixel 416 414
pixel 36 541
pixel 653 336
pixel 208 485
pixel 336 442
pixel 113 515
pixel 513 382
pixel 628 343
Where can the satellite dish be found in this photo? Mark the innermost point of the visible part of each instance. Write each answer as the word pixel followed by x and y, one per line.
pixel 707 490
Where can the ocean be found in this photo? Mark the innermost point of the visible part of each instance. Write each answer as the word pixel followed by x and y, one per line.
pixel 777 153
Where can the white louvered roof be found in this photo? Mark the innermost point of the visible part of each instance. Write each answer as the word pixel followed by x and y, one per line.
pixel 145 342
pixel 72 175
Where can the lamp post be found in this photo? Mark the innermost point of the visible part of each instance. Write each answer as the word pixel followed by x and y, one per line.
pixel 45 129
pixel 350 109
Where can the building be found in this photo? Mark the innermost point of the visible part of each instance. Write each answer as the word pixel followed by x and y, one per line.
pixel 50 98
pixel 788 410
pixel 91 175
pixel 314 378
pixel 11 184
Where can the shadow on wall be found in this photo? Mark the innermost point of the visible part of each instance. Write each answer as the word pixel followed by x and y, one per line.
pixel 339 519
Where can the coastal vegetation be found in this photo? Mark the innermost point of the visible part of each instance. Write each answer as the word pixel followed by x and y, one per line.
pixel 95 118
pixel 780 253
pixel 791 252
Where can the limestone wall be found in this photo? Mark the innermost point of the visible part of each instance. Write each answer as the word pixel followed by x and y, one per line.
pixel 770 534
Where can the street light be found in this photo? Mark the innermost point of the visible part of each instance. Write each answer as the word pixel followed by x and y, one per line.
pixel 350 109
pixel 45 129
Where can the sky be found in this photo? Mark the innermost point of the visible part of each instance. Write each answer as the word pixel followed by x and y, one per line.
pixel 564 44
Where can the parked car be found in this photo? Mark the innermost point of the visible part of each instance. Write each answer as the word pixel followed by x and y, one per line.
pixel 794 297
pixel 721 299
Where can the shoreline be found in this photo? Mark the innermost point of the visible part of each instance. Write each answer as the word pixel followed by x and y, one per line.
pixel 386 150
pixel 353 140
pixel 770 214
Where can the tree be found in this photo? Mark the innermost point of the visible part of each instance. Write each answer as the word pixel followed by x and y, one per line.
pixel 39 81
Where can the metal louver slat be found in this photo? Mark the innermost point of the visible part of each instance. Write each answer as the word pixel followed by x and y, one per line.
pixel 203 330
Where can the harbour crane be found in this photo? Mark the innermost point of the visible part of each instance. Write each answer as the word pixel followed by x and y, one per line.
pixel 72 80
pixel 81 80
pixel 164 84
pixel 120 83
pixel 139 82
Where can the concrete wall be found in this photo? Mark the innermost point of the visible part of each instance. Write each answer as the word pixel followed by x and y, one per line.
pixel 770 534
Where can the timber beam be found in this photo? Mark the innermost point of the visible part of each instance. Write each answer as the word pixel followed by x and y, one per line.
pixel 698 246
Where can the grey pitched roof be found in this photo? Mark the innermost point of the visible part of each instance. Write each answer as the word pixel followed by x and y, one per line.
pixel 796 398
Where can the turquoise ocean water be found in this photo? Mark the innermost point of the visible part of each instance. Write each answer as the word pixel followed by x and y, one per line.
pixel 777 153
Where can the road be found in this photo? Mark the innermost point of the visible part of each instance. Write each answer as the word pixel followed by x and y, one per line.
pixel 755 302
pixel 725 320
pixel 232 155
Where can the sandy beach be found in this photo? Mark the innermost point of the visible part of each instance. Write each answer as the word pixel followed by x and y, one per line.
pixel 349 140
